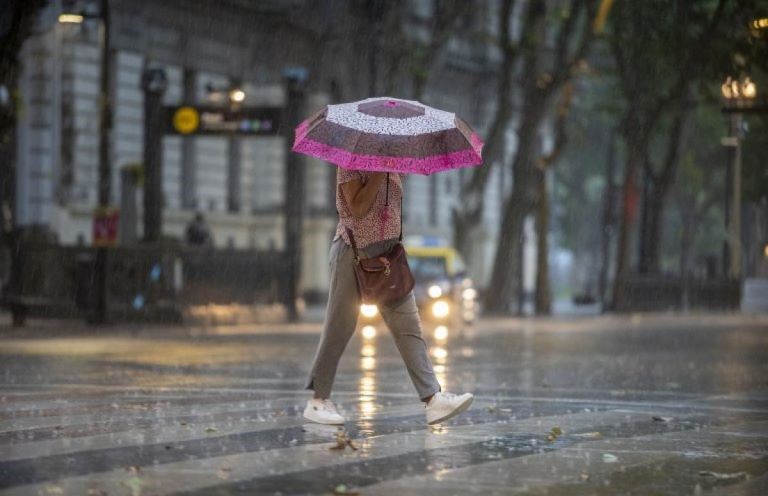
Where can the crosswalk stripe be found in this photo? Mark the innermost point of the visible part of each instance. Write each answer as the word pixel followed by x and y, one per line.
pixel 135 432
pixel 260 461
pixel 473 451
pixel 91 461
pixel 128 412
pixel 568 470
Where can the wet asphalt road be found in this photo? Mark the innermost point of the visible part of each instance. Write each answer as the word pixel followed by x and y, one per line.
pixel 609 405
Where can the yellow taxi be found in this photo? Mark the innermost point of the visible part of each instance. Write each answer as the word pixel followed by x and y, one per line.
pixel 443 291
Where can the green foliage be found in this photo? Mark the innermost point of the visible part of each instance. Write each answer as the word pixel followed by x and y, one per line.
pixel 579 179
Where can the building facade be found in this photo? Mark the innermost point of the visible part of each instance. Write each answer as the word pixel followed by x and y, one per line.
pixel 205 49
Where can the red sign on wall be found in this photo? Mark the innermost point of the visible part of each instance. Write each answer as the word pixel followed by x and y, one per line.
pixel 105 224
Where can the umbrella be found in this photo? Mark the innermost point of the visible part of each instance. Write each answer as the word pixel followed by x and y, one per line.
pixel 389 135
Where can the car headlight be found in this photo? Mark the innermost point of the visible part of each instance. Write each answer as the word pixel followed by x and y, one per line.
pixel 469 294
pixel 441 332
pixel 369 311
pixel 435 291
pixel 440 309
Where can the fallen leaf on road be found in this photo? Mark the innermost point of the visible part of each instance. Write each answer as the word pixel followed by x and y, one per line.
pixel 223 473
pixel 343 440
pixel 609 458
pixel 210 429
pixel 554 434
pixel 662 419
pixel 589 435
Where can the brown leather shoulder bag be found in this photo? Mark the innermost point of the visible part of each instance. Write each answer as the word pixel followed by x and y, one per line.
pixel 385 278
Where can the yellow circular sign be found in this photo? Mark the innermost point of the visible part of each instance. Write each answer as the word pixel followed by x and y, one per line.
pixel 186 120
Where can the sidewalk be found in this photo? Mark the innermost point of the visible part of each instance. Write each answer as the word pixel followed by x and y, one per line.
pixel 312 324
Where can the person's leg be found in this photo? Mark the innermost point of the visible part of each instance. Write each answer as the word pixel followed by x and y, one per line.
pixel 404 323
pixel 340 321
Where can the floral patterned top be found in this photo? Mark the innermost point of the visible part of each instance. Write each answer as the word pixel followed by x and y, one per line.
pixel 380 222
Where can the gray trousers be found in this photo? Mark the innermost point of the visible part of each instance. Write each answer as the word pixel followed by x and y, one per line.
pixel 402 318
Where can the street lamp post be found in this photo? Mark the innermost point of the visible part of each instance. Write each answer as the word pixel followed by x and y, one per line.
pixel 295 87
pixel 738 95
pixel 101 263
pixel 105 176
pixel 234 96
pixel 154 82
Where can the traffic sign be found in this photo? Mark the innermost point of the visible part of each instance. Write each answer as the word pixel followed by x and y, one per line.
pixel 186 120
pixel 210 120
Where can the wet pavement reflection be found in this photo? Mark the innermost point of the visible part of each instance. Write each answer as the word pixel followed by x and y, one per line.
pixel 604 406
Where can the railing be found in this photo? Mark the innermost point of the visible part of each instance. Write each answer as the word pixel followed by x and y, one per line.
pixel 146 282
pixel 661 292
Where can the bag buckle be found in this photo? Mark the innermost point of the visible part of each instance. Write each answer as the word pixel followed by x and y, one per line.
pixel 385 261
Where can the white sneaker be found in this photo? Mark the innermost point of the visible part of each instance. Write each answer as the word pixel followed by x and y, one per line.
pixel 443 406
pixel 323 412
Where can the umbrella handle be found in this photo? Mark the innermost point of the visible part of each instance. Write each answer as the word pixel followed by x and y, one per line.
pixel 386 198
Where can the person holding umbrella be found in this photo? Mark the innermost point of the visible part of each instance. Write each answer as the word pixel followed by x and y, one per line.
pixel 373 142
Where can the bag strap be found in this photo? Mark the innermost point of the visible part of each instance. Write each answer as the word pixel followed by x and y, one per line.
pixel 354 245
pixel 386 203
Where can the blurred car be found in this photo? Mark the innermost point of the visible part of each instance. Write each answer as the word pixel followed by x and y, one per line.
pixel 444 293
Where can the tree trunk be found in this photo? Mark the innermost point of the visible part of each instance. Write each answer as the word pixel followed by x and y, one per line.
pixel 543 293
pixel 507 266
pixel 468 214
pixel 655 199
pixel 686 243
pixel 507 269
pixel 464 224
pixel 654 233
pixel 635 145
pixel 607 220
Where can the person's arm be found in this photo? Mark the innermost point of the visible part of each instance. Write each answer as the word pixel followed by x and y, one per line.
pixel 360 196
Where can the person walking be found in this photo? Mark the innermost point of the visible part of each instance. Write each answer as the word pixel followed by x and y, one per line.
pixel 370 206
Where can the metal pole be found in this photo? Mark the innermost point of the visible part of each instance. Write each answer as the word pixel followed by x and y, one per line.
pixel 734 228
pixel 154 84
pixel 726 267
pixel 105 177
pixel 234 174
pixel 294 190
pixel 188 153
pixel 234 166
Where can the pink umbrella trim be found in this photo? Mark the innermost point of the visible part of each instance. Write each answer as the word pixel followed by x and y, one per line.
pixel 301 131
pixel 378 163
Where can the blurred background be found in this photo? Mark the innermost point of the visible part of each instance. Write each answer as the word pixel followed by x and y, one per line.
pixel 146 172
